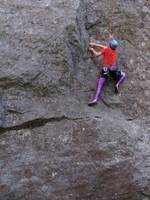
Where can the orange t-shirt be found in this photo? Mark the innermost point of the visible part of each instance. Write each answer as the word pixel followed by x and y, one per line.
pixel 110 56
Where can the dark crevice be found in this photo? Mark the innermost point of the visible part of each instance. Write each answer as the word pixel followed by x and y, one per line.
pixel 35 123
pixel 76 40
pixel 92 25
pixel 14 111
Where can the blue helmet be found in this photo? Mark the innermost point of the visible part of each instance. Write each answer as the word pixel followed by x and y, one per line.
pixel 113 44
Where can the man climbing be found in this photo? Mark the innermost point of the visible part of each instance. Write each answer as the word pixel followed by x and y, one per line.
pixel 109 67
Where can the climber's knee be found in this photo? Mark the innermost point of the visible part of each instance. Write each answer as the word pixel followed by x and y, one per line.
pixel 123 75
pixel 121 78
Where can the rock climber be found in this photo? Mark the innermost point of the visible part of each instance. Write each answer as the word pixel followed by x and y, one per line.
pixel 109 67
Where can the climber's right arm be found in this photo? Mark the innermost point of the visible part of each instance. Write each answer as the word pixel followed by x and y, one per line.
pixel 96 54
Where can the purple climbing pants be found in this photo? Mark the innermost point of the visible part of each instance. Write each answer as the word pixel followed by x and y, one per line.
pixel 121 78
pixel 114 74
pixel 99 87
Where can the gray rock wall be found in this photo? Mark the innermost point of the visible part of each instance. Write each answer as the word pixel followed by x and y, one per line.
pixel 53 146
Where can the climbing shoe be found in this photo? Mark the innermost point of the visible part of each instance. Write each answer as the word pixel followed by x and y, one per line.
pixel 116 89
pixel 92 103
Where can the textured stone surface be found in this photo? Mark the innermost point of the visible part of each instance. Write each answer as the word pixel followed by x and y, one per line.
pixel 78 159
pixel 52 145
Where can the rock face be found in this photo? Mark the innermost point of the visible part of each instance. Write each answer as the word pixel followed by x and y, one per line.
pixel 53 146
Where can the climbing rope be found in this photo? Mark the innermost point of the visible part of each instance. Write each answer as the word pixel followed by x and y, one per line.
pixel 111 18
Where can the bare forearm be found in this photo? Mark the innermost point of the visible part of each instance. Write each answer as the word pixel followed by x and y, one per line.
pixel 97 45
pixel 95 52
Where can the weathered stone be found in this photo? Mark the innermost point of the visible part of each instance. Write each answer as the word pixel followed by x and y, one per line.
pixel 52 145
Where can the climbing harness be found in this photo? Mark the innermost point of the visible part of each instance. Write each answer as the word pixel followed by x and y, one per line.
pixel 105 71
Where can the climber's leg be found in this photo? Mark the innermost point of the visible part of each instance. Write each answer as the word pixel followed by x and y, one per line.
pixel 120 81
pixel 100 85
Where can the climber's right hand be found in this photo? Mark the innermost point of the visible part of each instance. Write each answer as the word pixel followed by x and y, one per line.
pixel 91 49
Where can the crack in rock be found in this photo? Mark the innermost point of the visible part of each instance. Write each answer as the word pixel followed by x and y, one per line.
pixel 35 123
